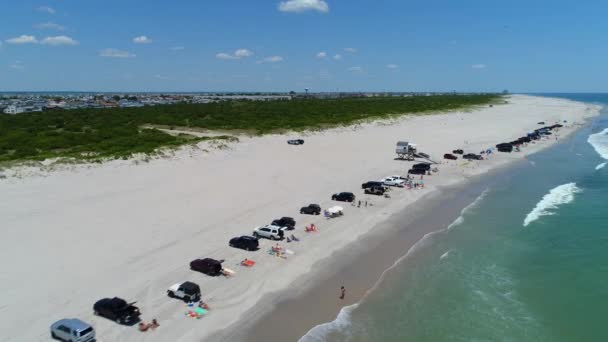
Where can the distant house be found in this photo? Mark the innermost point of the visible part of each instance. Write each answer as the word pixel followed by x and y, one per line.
pixel 12 109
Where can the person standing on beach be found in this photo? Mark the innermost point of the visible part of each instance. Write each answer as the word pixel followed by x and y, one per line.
pixel 342 292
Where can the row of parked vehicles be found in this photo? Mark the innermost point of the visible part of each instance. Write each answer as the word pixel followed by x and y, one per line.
pixel 468 156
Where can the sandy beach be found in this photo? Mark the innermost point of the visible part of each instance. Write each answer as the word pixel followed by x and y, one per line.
pixel 73 236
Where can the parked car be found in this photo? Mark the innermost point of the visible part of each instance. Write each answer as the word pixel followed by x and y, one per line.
pixel 248 243
pixel 392 181
pixel 416 172
pixel 375 190
pixel 311 209
pixel 458 151
pixel 186 291
pixel 371 183
pixel 504 147
pixel 343 197
pixel 72 329
pixel 270 232
pixel 288 222
pixel 296 142
pixel 208 266
pixel 449 156
pixel 422 166
pixel 472 156
pixel 117 309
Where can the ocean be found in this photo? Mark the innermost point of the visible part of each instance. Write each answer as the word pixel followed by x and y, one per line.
pixel 526 261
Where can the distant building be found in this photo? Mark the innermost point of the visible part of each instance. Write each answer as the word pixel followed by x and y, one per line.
pixel 12 109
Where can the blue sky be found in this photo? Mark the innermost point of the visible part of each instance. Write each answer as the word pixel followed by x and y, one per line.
pixel 273 45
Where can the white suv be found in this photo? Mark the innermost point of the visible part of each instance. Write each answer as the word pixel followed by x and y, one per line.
pixel 393 181
pixel 270 232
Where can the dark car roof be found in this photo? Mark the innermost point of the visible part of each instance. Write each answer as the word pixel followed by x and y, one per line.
pixel 190 287
pixel 246 237
pixel 346 193
pixel 112 303
pixel 207 261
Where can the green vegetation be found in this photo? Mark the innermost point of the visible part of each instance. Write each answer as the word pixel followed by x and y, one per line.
pixel 92 134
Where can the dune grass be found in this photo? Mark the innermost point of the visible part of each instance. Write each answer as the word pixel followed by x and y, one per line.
pixel 118 133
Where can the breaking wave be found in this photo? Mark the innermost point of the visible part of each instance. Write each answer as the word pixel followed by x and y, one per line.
pixel 460 219
pixel 599 141
pixel 600 166
pixel 320 332
pixel 343 321
pixel 561 194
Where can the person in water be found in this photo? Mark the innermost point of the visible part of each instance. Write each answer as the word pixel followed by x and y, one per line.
pixel 342 292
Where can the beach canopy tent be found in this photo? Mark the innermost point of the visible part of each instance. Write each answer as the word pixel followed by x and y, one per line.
pixel 335 209
pixel 207 266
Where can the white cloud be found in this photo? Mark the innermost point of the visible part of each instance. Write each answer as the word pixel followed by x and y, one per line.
pixel 176 48
pixel 392 66
pixel 298 6
pixel 23 39
pixel 59 40
pixel 50 26
pixel 223 55
pixel 322 54
pixel 350 49
pixel 242 53
pixel 46 9
pixel 142 40
pixel 478 66
pixel 271 59
pixel 238 54
pixel 355 69
pixel 337 57
pixel 115 53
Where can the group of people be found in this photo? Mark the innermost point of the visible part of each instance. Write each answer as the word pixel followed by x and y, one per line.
pixel 143 326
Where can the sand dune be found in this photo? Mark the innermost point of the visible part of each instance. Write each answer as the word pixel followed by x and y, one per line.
pixel 128 230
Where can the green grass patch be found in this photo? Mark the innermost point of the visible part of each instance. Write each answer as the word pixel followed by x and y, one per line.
pixel 116 133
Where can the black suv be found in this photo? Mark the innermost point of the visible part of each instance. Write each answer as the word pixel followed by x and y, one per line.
pixel 421 166
pixel 375 190
pixel 343 197
pixel 371 184
pixel 208 266
pixel 248 243
pixel 472 156
pixel 288 222
pixel 311 209
pixel 416 172
pixel 117 309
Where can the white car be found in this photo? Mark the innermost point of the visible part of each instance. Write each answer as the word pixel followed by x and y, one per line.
pixel 393 181
pixel 187 291
pixel 270 232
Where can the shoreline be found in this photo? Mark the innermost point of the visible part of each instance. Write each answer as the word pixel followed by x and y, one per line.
pixel 359 266
pixel 155 218
pixel 313 301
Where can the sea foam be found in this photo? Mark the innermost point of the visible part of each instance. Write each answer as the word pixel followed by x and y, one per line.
pixel 557 196
pixel 343 321
pixel 600 166
pixel 322 331
pixel 599 141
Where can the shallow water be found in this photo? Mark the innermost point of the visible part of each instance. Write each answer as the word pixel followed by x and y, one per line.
pixel 527 261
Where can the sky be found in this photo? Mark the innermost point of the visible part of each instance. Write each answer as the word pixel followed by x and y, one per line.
pixel 322 45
